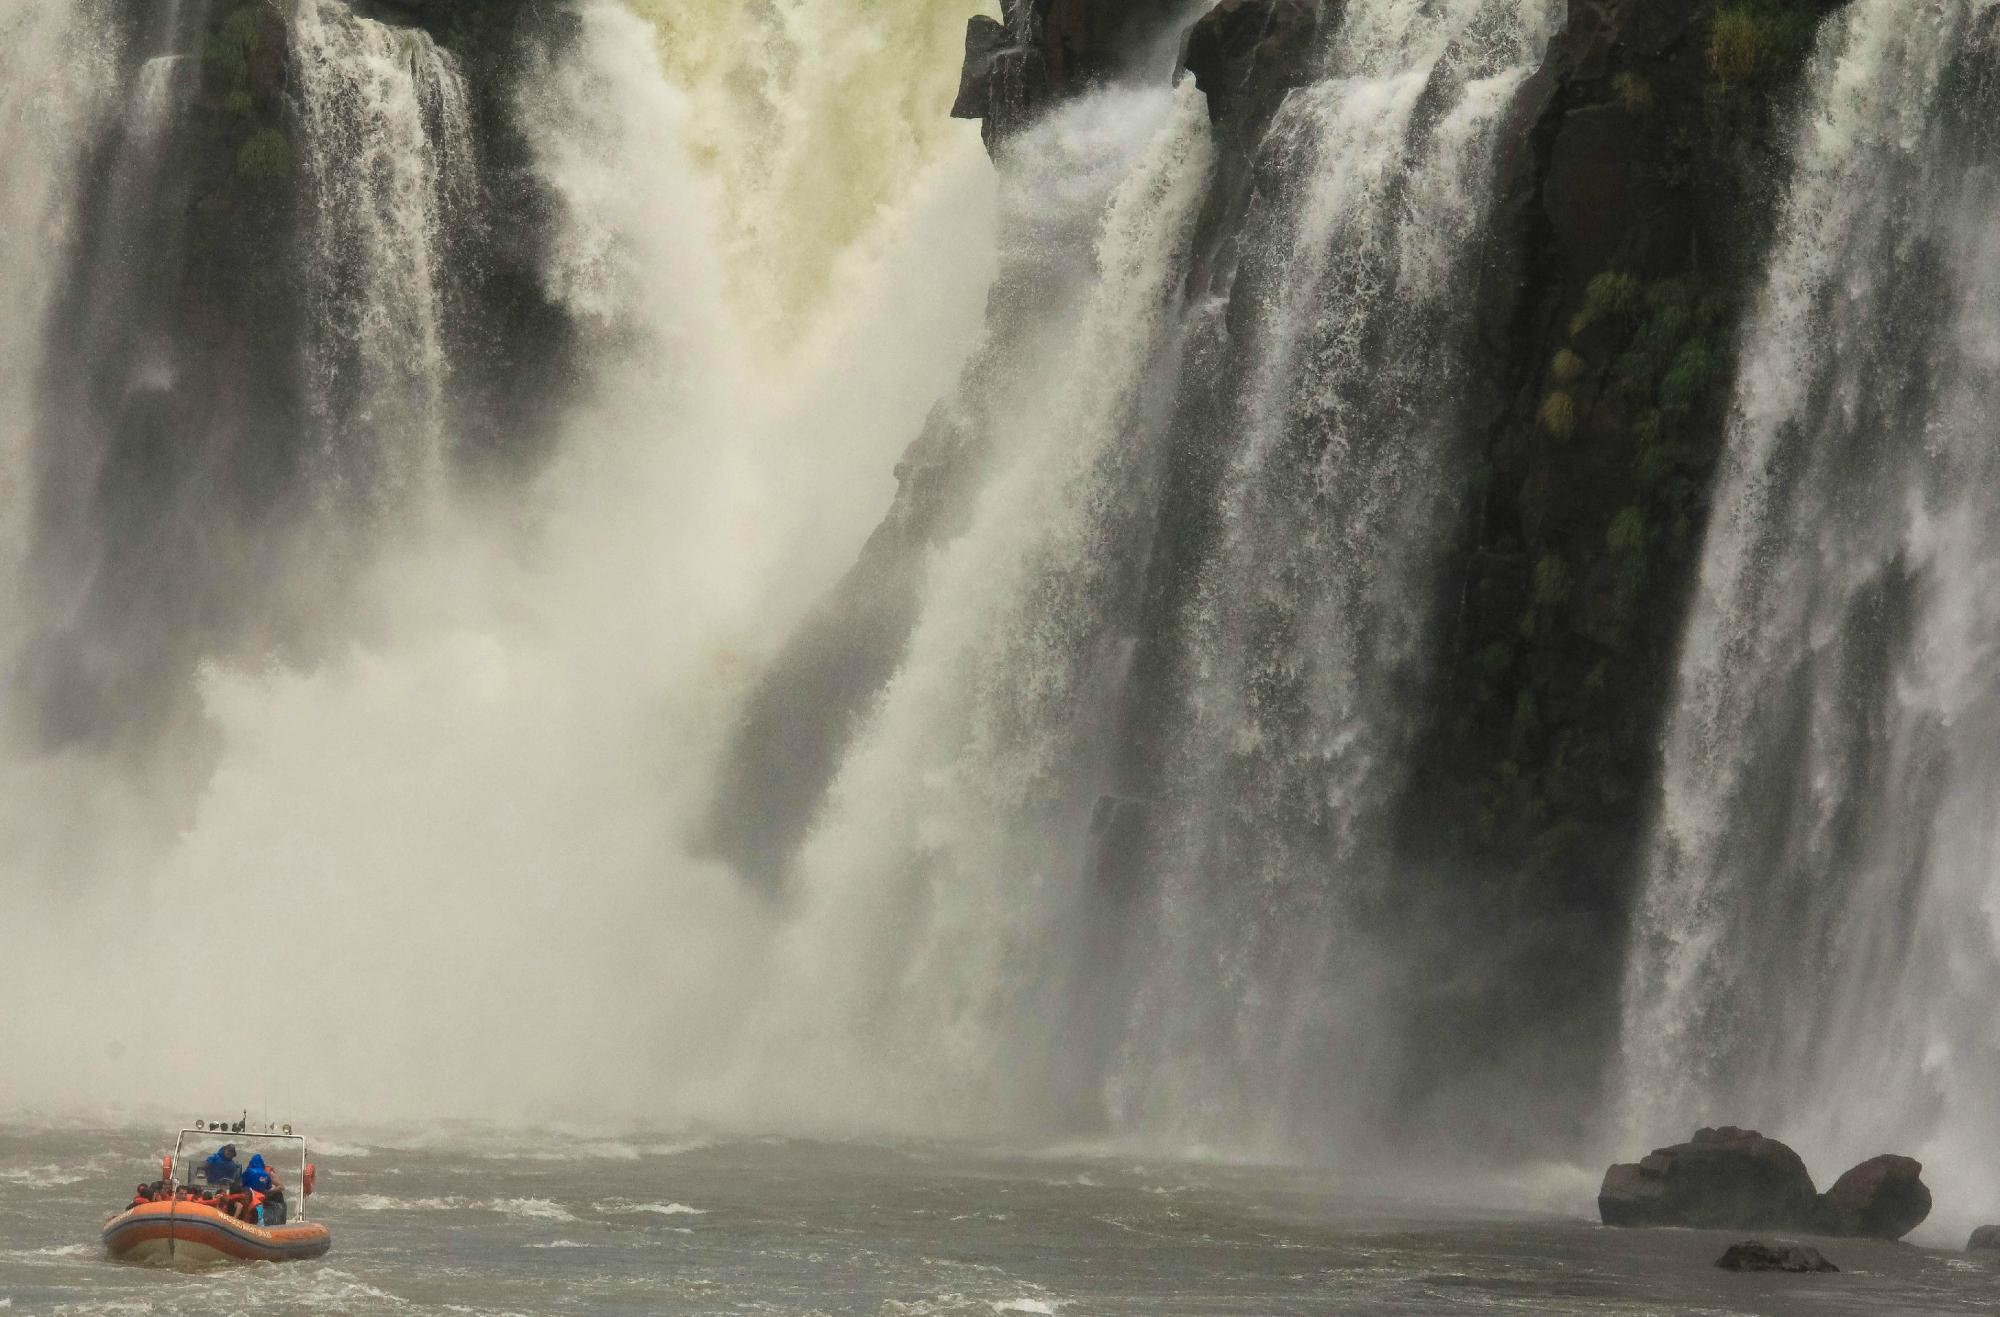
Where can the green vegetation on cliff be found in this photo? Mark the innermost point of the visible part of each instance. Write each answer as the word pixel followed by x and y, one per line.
pixel 1641 201
pixel 1759 41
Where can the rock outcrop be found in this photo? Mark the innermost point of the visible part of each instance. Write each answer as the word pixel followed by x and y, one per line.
pixel 1247 55
pixel 1882 1198
pixel 1754 1255
pixel 1724 1178
pixel 1986 1239
pixel 1039 53
pixel 1005 81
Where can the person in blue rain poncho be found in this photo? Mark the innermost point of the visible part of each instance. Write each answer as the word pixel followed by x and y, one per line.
pixel 268 1196
pixel 220 1166
pixel 257 1177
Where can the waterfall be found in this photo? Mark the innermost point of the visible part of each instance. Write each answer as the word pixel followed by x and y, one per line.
pixel 952 908
pixel 56 61
pixel 1265 1007
pixel 388 161
pixel 939 887
pixel 1817 950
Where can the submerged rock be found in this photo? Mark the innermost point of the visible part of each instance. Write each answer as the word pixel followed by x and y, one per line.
pixel 1882 1198
pixel 1753 1255
pixel 1726 1178
pixel 1985 1239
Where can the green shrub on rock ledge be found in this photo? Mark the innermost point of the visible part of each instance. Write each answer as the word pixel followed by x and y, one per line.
pixel 230 46
pixel 1754 40
pixel 265 159
pixel 1558 415
pixel 1633 92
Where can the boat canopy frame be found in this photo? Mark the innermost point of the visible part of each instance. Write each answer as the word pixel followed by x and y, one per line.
pixel 293 1210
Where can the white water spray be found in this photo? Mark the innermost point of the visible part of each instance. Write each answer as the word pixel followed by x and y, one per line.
pixel 812 117
pixel 931 950
pixel 387 152
pixel 1263 1013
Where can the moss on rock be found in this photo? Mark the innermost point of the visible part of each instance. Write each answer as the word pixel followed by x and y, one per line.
pixel 265 159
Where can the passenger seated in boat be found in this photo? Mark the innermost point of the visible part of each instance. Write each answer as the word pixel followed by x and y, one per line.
pixel 221 1167
pixel 267 1196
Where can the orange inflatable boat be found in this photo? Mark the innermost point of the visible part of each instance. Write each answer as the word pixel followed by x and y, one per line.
pixel 193 1233
pixel 174 1222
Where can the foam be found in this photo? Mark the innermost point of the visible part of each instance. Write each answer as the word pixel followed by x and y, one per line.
pixel 43 1177
pixel 537 1209
pixel 615 1208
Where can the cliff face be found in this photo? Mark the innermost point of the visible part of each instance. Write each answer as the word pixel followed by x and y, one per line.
pixel 1640 201
pixel 1637 184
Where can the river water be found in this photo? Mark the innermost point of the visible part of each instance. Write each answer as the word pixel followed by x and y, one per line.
pixel 481 1223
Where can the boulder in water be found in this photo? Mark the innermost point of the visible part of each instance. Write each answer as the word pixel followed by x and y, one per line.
pixel 1726 1178
pixel 1882 1198
pixel 1754 1255
pixel 1986 1239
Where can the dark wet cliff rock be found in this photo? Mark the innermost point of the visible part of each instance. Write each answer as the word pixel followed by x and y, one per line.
pixel 166 368
pixel 1640 191
pixel 1042 52
pixel 810 701
pixel 1247 55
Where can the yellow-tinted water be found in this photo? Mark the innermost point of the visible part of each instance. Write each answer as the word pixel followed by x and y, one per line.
pixel 807 153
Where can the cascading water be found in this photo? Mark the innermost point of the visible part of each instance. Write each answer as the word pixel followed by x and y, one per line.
pixel 811 123
pixel 1265 1009
pixel 55 63
pixel 478 778
pixel 1818 948
pixel 388 157
pixel 948 889
pixel 947 854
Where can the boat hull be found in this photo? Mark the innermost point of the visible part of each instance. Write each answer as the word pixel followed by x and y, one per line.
pixel 193 1234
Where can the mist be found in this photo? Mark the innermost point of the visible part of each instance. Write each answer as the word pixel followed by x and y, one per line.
pixel 443 867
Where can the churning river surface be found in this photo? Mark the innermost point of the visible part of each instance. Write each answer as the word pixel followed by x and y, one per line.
pixel 540 1224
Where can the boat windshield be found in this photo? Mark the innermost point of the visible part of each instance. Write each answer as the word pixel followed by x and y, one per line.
pixel 284 1154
